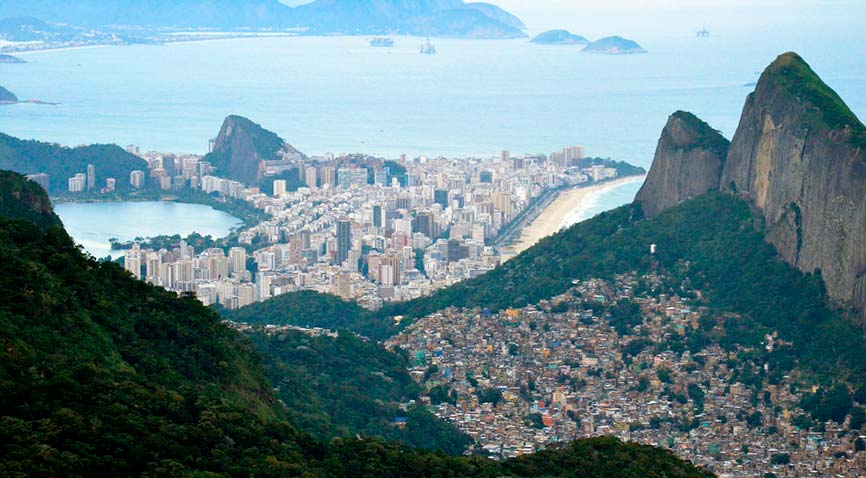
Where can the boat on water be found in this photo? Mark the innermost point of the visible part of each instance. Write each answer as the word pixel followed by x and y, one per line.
pixel 428 48
pixel 382 42
pixel 703 33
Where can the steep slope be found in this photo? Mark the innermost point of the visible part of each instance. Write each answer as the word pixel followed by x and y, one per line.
pixel 688 163
pixel 60 163
pixel 103 375
pixel 241 148
pixel 26 200
pixel 800 154
pixel 497 13
pixel 343 386
pixel 7 96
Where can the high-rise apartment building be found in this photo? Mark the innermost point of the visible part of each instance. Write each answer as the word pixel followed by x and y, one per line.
pixel 136 179
pixel 237 260
pixel 77 183
pixel 132 260
pixel 91 177
pixel 344 240
pixel 279 187
pixel 572 155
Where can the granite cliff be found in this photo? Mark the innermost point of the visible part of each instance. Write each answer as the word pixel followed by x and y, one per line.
pixel 688 163
pixel 799 156
pixel 241 148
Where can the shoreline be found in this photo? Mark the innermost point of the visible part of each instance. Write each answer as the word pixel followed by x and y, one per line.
pixel 552 219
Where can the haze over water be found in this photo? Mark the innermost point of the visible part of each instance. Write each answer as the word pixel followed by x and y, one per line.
pixel 337 94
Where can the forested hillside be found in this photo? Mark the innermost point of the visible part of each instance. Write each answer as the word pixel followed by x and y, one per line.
pixel 104 375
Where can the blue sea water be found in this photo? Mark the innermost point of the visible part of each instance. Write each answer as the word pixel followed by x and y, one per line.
pixel 337 94
pixel 473 98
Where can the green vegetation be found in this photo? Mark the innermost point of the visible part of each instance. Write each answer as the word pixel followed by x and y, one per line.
pixel 623 168
pixel 61 163
pixel 25 200
pixel 791 72
pixel 708 138
pixel 396 170
pixel 306 309
pixel 104 375
pixel 726 258
pixel 613 458
pixel 343 386
pixel 290 177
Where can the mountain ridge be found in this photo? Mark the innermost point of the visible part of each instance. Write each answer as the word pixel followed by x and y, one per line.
pixel 798 155
pixel 688 163
pixel 364 17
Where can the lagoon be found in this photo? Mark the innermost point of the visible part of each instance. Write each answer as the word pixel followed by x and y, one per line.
pixel 93 224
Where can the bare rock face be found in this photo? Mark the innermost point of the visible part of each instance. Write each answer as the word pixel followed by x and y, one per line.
pixel 688 162
pixel 242 147
pixel 799 154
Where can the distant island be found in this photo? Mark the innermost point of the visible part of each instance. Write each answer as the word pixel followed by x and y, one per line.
pixel 559 37
pixel 614 45
pixel 10 59
pixel 7 96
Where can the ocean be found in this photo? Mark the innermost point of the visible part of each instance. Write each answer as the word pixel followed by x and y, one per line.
pixel 338 94
pixel 474 98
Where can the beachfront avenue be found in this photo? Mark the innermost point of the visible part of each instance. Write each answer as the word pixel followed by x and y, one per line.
pixel 371 230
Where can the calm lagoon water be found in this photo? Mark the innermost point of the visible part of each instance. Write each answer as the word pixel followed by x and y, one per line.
pixel 93 224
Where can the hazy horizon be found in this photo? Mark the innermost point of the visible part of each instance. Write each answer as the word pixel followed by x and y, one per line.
pixel 670 18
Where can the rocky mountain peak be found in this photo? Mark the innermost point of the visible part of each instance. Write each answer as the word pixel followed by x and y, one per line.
pixel 688 163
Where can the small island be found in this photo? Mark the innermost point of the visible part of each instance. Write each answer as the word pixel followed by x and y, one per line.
pixel 559 37
pixel 614 45
pixel 10 59
pixel 7 97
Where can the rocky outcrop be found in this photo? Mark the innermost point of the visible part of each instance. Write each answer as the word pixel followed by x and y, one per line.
pixel 799 154
pixel 688 163
pixel 242 147
pixel 25 200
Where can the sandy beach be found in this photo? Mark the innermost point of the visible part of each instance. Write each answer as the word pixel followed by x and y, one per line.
pixel 557 215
